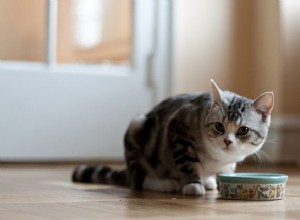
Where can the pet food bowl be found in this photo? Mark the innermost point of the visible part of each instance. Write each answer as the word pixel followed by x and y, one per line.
pixel 252 186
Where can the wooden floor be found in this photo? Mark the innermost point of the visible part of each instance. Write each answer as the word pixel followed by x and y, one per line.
pixel 45 192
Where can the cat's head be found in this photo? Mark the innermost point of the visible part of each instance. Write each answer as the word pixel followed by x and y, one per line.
pixel 235 126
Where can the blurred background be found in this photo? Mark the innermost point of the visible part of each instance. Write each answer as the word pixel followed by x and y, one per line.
pixel 248 47
pixel 74 72
pixel 87 31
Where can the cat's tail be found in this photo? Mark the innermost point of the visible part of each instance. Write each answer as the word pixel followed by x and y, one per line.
pixel 100 174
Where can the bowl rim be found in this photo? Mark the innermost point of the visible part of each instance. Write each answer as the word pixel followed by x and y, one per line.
pixel 252 178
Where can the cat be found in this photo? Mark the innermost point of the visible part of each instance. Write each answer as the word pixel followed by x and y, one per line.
pixel 186 140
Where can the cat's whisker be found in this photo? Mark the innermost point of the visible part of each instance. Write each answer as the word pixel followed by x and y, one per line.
pixel 261 157
pixel 266 156
pixel 258 157
pixel 272 141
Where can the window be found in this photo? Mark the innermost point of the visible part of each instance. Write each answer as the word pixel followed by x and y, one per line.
pixel 22 28
pixel 87 31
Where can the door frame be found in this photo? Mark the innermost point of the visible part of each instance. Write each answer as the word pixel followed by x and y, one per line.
pixel 159 64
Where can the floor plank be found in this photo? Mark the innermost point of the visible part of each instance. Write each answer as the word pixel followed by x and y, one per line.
pixel 46 192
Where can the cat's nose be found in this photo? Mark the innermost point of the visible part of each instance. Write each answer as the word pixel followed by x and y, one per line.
pixel 227 142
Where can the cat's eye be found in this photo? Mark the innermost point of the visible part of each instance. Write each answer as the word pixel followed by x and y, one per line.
pixel 220 127
pixel 243 131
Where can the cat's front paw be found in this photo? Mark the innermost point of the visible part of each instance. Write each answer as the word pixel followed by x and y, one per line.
pixel 193 189
pixel 210 183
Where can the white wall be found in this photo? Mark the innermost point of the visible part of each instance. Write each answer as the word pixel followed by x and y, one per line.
pixel 202 39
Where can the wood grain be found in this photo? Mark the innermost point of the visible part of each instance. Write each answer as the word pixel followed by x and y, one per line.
pixel 40 192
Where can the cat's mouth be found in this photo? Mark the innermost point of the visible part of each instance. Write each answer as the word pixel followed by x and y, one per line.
pixel 231 148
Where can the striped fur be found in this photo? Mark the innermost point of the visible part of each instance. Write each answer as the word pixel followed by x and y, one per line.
pixel 186 140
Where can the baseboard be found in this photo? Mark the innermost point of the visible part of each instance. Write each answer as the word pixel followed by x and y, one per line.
pixel 283 143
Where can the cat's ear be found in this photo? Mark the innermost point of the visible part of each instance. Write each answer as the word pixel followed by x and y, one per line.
pixel 264 104
pixel 216 93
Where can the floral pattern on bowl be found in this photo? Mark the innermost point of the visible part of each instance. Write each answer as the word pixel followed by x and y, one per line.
pixel 252 186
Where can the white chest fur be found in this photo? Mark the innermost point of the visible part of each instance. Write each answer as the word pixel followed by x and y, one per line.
pixel 212 167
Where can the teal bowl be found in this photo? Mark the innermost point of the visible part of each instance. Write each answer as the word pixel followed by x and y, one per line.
pixel 252 186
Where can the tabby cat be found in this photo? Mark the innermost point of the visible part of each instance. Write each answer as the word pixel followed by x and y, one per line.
pixel 186 140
